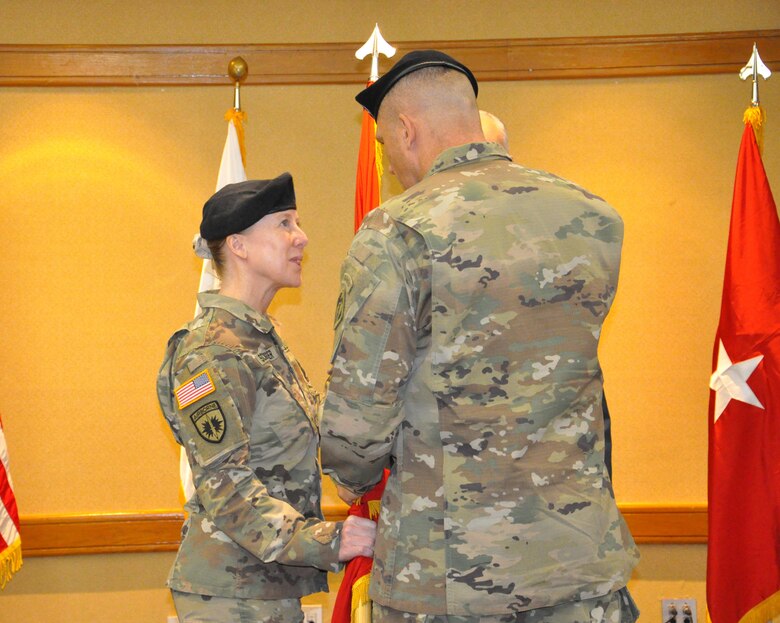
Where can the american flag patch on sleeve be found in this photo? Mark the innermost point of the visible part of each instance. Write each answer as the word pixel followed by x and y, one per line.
pixel 194 389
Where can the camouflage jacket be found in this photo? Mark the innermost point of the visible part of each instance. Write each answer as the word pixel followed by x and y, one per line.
pixel 466 360
pixel 241 405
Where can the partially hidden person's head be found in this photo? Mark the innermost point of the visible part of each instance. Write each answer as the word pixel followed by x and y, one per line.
pixel 494 129
pixel 425 104
pixel 253 226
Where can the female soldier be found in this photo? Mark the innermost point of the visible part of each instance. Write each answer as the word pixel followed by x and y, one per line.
pixel 234 396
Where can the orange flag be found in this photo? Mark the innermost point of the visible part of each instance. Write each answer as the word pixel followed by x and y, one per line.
pixel 743 558
pixel 352 604
pixel 369 170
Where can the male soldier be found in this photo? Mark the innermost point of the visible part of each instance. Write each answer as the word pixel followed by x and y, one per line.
pixel 495 132
pixel 466 360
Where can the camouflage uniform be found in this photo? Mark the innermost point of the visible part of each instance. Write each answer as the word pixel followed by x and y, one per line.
pixel 191 608
pixel 241 405
pixel 466 359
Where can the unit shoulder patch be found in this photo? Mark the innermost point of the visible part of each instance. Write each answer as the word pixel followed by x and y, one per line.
pixel 210 422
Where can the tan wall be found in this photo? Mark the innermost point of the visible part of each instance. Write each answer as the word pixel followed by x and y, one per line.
pixel 102 190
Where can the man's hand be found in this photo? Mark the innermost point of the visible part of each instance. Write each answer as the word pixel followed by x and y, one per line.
pixel 345 494
pixel 357 538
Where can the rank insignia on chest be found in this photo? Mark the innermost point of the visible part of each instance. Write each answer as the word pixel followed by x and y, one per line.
pixel 194 389
pixel 209 421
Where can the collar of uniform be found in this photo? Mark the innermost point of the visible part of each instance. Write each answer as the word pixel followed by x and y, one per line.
pixel 239 309
pixel 463 154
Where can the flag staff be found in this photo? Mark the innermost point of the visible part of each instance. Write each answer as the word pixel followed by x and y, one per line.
pixel 755 67
pixel 754 115
pixel 237 70
pixel 375 46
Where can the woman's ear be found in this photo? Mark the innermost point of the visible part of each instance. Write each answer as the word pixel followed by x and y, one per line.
pixel 235 244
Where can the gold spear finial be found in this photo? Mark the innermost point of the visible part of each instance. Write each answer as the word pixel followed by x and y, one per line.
pixel 237 70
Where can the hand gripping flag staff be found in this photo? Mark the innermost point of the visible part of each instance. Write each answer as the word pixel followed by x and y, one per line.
pixel 352 603
pixel 231 170
pixel 743 574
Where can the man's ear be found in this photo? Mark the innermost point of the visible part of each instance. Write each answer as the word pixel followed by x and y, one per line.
pixel 408 130
pixel 235 244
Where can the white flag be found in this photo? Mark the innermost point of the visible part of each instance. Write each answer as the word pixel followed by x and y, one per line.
pixel 231 170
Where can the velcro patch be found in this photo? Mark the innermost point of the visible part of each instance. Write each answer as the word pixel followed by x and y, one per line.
pixel 339 310
pixel 210 422
pixel 267 355
pixel 194 389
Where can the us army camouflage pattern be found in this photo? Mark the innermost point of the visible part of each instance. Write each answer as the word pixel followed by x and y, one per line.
pixel 198 608
pixel 617 607
pixel 466 359
pixel 254 528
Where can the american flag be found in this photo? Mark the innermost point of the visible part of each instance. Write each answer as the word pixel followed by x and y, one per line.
pixel 194 389
pixel 10 541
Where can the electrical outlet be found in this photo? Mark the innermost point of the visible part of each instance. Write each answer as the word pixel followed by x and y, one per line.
pixel 678 611
pixel 312 614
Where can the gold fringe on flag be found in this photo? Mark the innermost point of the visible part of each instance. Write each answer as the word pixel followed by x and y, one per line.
pixel 10 562
pixel 238 117
pixel 767 610
pixel 361 604
pixel 374 506
pixel 756 117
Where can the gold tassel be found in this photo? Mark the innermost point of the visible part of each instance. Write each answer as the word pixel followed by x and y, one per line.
pixel 10 562
pixel 756 117
pixel 238 117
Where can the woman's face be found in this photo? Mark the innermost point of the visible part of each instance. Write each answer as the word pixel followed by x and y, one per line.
pixel 275 250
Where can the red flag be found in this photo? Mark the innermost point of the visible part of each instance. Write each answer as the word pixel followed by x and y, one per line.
pixel 368 170
pixel 743 561
pixel 352 602
pixel 10 541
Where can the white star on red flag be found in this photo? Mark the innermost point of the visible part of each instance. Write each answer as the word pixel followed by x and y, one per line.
pixel 730 381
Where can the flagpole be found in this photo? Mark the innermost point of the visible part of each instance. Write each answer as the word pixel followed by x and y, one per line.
pixel 237 70
pixel 352 604
pixel 754 115
pixel 232 169
pixel 375 45
pixel 369 168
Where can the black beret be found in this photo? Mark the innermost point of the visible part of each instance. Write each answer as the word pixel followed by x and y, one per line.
pixel 235 207
pixel 371 97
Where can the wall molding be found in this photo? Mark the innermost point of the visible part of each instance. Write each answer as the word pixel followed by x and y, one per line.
pixel 158 531
pixel 35 65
